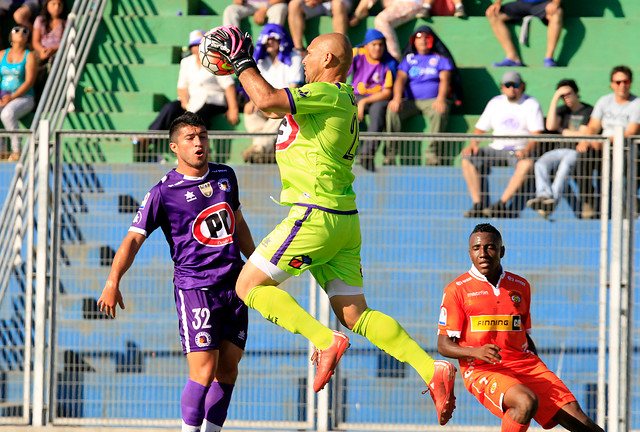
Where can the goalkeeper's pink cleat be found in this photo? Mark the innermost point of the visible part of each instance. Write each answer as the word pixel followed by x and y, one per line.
pixel 441 390
pixel 326 360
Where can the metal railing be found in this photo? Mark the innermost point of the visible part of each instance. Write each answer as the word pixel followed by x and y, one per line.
pixel 78 384
pixel 17 212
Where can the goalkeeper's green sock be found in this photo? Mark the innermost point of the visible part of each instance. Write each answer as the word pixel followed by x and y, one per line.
pixel 279 307
pixel 388 335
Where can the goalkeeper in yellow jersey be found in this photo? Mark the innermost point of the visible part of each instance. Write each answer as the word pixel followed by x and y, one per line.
pixel 315 150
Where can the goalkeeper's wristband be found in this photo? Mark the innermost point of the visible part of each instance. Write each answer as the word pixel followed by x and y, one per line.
pixel 242 64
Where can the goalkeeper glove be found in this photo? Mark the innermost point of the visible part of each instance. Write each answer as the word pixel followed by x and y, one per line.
pixel 236 48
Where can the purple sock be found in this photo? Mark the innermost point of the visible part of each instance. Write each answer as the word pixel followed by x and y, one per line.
pixel 217 402
pixel 192 403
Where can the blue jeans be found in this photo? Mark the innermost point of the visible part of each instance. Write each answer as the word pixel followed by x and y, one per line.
pixel 564 160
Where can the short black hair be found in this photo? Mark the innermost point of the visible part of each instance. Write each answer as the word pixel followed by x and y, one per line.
pixel 188 118
pixel 487 228
pixel 568 82
pixel 624 69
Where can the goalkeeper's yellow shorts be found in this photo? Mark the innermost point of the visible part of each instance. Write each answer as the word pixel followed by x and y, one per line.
pixel 325 243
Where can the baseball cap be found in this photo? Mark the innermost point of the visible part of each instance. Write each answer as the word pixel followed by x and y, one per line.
pixel 195 36
pixel 511 76
pixel 371 35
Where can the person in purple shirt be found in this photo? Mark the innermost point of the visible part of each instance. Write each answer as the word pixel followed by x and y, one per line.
pixel 197 207
pixel 421 87
pixel 371 75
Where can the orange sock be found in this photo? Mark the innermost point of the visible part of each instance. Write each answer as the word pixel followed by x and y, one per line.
pixel 509 425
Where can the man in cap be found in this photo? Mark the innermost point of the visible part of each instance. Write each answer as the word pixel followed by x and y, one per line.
pixel 511 113
pixel 200 92
pixel 372 73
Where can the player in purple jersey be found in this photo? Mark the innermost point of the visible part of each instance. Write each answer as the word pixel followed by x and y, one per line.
pixel 197 207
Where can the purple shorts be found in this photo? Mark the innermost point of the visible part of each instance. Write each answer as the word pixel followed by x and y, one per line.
pixel 206 316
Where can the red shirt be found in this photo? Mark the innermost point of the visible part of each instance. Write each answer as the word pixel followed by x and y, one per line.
pixel 477 313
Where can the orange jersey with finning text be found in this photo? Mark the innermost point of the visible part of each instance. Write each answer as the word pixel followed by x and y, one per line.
pixel 477 313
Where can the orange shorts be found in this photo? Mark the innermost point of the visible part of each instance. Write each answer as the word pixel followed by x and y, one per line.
pixel 488 383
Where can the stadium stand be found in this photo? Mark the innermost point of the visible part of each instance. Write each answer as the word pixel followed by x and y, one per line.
pixel 133 66
pixel 132 71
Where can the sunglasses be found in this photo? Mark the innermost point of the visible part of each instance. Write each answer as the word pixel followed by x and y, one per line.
pixel 511 84
pixel 626 81
pixel 24 31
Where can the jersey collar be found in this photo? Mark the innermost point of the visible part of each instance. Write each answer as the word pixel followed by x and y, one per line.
pixel 474 272
pixel 186 177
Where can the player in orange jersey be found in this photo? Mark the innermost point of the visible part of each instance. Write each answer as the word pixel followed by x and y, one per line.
pixel 485 324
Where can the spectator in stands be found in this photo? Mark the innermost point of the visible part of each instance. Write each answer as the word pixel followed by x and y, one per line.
pixel 302 10
pixel 511 113
pixel 371 74
pixel 421 87
pixel 485 323
pixel 273 11
pixel 48 29
pixel 549 11
pixel 199 91
pixel 282 68
pixel 620 108
pixel 394 14
pixel 568 120
pixel 213 321
pixel 18 69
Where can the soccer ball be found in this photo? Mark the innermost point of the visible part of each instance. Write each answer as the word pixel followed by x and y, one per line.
pixel 211 60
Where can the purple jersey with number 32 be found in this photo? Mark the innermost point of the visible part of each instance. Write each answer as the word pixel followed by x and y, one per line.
pixel 197 217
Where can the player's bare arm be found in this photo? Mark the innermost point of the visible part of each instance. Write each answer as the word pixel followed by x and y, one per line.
pixel 123 259
pixel 243 235
pixel 448 347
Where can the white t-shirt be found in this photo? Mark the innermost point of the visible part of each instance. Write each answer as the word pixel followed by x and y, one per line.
pixel 202 86
pixel 613 114
pixel 279 75
pixel 511 118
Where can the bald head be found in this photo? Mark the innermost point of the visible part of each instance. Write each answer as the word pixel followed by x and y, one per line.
pixel 341 55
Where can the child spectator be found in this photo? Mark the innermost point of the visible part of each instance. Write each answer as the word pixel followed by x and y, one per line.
pixel 48 29
pixel 372 73
pixel 18 69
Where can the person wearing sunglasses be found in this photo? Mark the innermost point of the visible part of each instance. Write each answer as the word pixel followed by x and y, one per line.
pixel 511 113
pixel 620 108
pixel 18 69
